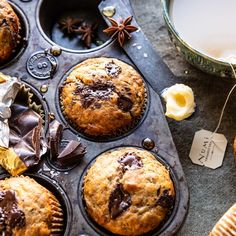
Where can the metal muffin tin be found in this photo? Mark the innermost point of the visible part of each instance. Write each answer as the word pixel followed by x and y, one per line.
pixel 39 63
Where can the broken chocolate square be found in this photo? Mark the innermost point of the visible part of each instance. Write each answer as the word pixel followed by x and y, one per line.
pixel 72 153
pixel 25 134
pixel 55 136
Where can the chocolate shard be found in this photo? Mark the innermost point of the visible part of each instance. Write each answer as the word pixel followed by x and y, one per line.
pixel 55 136
pixel 165 200
pixel 10 215
pixel 124 103
pixel 25 134
pixel 130 161
pixel 158 191
pixel 73 152
pixel 112 69
pixel 90 94
pixel 119 201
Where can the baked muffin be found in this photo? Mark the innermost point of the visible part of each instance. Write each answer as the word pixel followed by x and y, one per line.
pixel 28 209
pixel 128 192
pixel 9 31
pixel 226 226
pixel 103 96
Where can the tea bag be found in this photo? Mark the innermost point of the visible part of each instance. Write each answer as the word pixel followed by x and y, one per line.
pixel 208 148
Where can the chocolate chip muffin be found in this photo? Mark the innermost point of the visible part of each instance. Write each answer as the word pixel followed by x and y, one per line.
pixel 103 97
pixel 9 31
pixel 28 209
pixel 128 192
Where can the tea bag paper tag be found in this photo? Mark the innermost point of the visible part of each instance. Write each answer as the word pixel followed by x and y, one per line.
pixel 208 149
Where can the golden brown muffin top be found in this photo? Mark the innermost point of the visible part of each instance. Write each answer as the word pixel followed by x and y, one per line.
pixel 40 211
pixel 9 31
pixel 128 192
pixel 102 96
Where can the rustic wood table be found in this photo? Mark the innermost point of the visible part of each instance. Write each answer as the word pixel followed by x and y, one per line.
pixel 212 192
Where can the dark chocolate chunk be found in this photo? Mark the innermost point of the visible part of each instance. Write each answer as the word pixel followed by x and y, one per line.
pixel 112 69
pixel 124 103
pixel 119 201
pixel 10 216
pixel 130 161
pixel 88 101
pixel 67 154
pixel 97 105
pixel 25 134
pixel 166 200
pixel 73 152
pixel 55 136
pixel 100 90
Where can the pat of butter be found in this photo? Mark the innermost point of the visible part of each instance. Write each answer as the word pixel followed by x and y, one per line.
pixel 3 78
pixel 179 100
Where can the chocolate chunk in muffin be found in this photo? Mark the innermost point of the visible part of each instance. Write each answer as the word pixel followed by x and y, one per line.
pixel 124 103
pixel 10 215
pixel 89 94
pixel 130 161
pixel 166 200
pixel 113 69
pixel 119 201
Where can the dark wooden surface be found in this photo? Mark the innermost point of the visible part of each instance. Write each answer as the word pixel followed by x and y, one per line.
pixel 212 192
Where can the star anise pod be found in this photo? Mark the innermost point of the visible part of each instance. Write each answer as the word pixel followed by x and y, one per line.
pixel 69 24
pixel 121 30
pixel 87 32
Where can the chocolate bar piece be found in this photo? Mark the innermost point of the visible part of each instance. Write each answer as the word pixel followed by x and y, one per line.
pixel 73 152
pixel 25 134
pixel 67 155
pixel 55 136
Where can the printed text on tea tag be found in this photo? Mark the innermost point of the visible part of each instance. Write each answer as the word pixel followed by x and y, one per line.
pixel 208 149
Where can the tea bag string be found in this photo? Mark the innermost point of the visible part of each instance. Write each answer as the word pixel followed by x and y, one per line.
pixel 225 104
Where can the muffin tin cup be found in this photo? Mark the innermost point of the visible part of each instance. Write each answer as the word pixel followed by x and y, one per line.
pixel 30 97
pixel 152 126
pixel 102 231
pixel 55 164
pixel 50 12
pixel 58 192
pixel 122 131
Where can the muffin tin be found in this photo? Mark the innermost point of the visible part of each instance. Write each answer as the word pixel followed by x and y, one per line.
pixel 42 65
